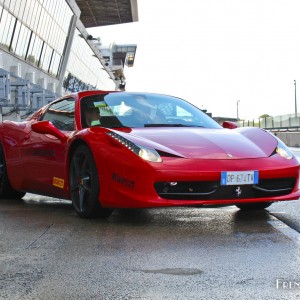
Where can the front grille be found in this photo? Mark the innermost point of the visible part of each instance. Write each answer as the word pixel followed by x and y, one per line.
pixel 211 190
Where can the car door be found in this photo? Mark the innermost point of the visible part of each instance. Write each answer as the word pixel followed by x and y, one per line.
pixel 46 154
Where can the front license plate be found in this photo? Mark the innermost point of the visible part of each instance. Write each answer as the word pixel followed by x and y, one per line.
pixel 239 178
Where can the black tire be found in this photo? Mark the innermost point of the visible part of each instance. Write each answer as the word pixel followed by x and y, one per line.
pixel 84 185
pixel 253 206
pixel 6 191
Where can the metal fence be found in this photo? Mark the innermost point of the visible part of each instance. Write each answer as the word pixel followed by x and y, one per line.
pixel 289 122
pixel 19 97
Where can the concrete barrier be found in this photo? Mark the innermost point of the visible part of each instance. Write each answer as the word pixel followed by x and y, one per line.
pixel 291 139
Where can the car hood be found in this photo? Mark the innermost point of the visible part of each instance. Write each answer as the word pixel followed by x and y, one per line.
pixel 206 143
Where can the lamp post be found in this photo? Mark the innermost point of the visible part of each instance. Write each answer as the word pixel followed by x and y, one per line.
pixel 237 110
pixel 295 98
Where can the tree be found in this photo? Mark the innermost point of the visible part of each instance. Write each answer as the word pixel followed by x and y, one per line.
pixel 264 116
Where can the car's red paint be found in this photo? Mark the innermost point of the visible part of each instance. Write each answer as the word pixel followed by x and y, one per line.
pixel 38 156
pixel 229 125
pixel 207 143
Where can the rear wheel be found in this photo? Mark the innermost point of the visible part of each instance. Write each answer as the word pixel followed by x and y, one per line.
pixel 6 191
pixel 84 185
pixel 253 206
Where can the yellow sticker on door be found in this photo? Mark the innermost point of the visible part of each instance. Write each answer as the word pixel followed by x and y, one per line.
pixel 58 182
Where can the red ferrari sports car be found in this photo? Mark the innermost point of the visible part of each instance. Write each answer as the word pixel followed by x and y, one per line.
pixel 106 150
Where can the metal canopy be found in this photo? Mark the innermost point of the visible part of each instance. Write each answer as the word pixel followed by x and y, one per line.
pixel 107 12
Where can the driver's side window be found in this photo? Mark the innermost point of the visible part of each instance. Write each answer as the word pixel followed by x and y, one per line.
pixel 61 114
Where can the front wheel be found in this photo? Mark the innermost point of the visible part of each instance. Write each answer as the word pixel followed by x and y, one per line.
pixel 84 185
pixel 254 206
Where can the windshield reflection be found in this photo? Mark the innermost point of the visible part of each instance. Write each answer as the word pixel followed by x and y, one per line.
pixel 123 109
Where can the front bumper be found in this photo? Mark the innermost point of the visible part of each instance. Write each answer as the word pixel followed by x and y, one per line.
pixel 186 182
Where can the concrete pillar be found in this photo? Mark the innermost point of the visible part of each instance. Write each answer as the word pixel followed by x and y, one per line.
pixel 66 52
pixel 16 70
pixel 42 82
pixel 30 77
pixel 51 87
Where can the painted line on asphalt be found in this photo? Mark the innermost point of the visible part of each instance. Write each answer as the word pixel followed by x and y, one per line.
pixel 284 229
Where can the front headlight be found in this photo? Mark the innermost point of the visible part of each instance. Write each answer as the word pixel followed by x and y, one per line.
pixel 142 151
pixel 149 154
pixel 283 150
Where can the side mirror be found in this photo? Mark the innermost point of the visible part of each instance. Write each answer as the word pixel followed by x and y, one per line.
pixel 229 125
pixel 46 127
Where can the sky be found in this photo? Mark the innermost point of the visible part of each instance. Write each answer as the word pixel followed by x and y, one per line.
pixel 221 55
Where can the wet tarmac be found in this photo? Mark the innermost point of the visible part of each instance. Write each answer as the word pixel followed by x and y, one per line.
pixel 48 252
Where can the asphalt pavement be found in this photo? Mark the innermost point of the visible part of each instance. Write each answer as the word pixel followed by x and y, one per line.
pixel 288 212
pixel 48 252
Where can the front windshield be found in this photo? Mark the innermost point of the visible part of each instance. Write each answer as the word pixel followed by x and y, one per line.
pixel 123 109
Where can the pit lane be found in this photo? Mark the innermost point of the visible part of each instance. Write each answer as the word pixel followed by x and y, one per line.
pixel 48 252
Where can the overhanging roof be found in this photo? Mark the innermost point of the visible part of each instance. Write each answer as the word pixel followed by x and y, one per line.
pixel 107 12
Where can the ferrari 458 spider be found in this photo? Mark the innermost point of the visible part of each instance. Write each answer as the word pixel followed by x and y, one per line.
pixel 106 150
